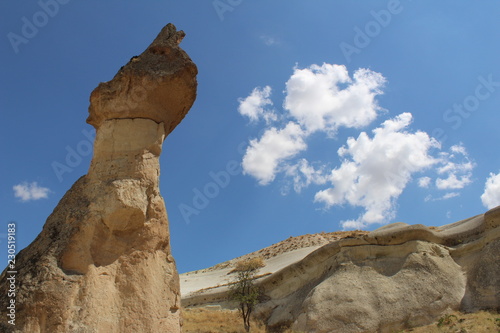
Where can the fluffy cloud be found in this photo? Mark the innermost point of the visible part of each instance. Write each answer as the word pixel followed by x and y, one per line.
pixel 424 182
pixel 375 170
pixel 255 105
pixel 264 157
pixel 315 98
pixel 304 174
pixel 453 171
pixel 491 195
pixel 30 191
pixel 453 182
pixel 315 101
pixel 457 174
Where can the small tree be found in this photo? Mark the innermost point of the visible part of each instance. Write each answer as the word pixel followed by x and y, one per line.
pixel 244 291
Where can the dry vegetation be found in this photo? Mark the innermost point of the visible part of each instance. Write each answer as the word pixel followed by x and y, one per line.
pixel 479 322
pixel 225 321
pixel 219 321
pixel 216 321
pixel 251 264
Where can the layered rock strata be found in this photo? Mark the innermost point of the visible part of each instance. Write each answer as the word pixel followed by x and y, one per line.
pixel 399 276
pixel 103 261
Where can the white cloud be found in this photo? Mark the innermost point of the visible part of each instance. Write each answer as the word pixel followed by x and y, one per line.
pixel 454 171
pixel 450 195
pixel 254 106
pixel 491 195
pixel 446 196
pixel 375 170
pixel 304 174
pixel 315 98
pixel 457 174
pixel 424 182
pixel 317 102
pixel 30 191
pixel 460 149
pixel 263 157
pixel 453 182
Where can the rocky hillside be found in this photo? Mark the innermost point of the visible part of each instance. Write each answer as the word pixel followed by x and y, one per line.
pixel 288 245
pixel 396 277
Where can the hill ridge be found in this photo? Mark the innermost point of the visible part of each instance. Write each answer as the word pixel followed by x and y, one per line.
pixel 287 245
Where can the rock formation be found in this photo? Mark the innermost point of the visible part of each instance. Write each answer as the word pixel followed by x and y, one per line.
pixel 399 276
pixel 103 262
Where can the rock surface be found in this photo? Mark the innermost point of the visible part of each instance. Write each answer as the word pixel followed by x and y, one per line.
pixel 159 84
pixel 399 276
pixel 102 262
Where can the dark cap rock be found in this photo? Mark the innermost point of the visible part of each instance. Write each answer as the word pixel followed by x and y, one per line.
pixel 159 84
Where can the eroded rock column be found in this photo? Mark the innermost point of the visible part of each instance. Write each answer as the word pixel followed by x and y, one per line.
pixel 103 261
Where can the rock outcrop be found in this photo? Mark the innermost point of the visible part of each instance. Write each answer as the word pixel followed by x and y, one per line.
pixel 399 276
pixel 103 262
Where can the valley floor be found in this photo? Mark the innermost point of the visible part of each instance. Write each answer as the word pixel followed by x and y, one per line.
pixel 225 321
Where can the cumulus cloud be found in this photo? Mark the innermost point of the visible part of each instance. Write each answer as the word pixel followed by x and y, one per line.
pixel 318 98
pixel 255 106
pixel 453 171
pixel 456 167
pixel 453 182
pixel 372 170
pixel 264 157
pixel 375 170
pixel 30 191
pixel 325 98
pixel 491 195
pixel 424 182
pixel 304 174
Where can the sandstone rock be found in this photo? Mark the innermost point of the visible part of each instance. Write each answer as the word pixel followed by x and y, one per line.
pixel 398 276
pixel 102 262
pixel 375 289
pixel 160 84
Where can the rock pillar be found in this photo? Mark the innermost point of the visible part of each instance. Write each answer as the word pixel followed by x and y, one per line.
pixel 103 261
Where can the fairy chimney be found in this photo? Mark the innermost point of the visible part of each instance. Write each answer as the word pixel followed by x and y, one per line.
pixel 103 261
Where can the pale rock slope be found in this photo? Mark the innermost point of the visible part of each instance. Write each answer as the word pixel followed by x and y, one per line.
pixel 103 262
pixel 398 276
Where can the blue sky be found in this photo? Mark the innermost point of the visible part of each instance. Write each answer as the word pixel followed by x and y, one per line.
pixel 310 116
